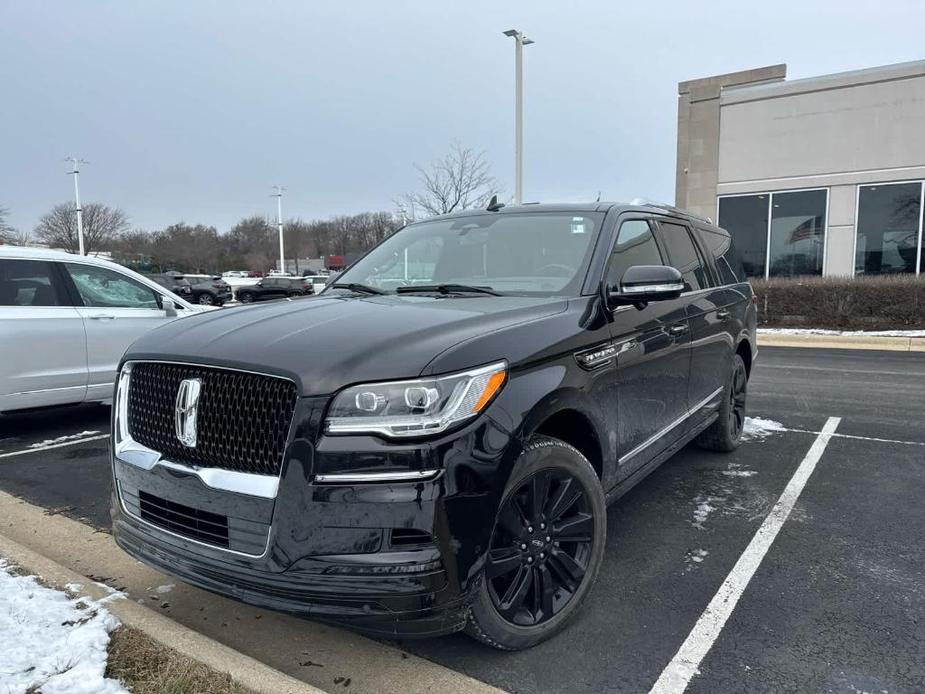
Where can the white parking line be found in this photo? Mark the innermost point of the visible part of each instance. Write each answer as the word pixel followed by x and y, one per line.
pixel 677 675
pixel 73 442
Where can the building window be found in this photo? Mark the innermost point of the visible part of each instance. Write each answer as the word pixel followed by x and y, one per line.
pixel 746 218
pixel 889 229
pixel 778 234
pixel 797 233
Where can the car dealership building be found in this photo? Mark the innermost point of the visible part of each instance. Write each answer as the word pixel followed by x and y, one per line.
pixel 818 176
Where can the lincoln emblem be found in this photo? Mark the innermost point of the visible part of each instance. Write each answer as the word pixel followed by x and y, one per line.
pixel 187 405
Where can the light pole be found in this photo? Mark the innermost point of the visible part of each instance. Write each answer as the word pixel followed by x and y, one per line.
pixel 519 42
pixel 279 224
pixel 80 214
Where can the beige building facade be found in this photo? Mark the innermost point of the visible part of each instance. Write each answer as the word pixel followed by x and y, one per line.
pixel 818 176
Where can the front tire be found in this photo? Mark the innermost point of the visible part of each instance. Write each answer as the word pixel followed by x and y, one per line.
pixel 545 550
pixel 725 434
pixel 246 298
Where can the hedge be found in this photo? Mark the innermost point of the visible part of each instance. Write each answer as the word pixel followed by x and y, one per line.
pixel 886 302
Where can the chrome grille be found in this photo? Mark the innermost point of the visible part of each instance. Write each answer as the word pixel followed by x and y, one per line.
pixel 243 418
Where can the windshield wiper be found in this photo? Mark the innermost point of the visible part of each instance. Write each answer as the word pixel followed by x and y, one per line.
pixel 447 289
pixel 354 287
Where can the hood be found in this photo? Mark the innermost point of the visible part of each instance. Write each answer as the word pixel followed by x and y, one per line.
pixel 327 343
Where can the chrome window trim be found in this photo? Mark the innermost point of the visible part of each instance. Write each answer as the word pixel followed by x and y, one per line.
pixel 649 288
pixel 656 436
pixel 395 476
pixel 158 528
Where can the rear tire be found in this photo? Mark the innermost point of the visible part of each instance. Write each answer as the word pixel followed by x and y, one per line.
pixel 532 586
pixel 725 434
pixel 245 297
pixel 206 300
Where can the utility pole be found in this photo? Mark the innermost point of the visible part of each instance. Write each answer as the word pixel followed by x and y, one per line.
pixel 279 223
pixel 519 42
pixel 80 215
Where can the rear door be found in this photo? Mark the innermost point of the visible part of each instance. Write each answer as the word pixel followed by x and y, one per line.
pixel 653 354
pixel 43 348
pixel 116 310
pixel 708 316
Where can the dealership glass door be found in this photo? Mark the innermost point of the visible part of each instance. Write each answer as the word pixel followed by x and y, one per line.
pixel 778 234
pixel 889 229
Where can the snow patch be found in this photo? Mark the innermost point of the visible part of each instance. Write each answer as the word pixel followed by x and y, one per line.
pixel 849 333
pixel 705 506
pixel 51 642
pixel 694 557
pixel 758 428
pixel 161 590
pixel 62 439
pixel 735 470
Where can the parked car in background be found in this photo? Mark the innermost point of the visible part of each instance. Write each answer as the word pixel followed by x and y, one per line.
pixel 66 320
pixel 209 290
pixel 235 273
pixel 422 459
pixel 175 282
pixel 319 282
pixel 274 288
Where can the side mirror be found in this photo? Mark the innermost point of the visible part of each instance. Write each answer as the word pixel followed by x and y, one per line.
pixel 644 283
pixel 170 308
pixel 259 283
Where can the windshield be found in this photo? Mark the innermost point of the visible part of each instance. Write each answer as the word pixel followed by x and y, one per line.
pixel 538 254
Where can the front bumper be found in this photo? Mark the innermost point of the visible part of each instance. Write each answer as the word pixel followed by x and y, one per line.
pixel 331 551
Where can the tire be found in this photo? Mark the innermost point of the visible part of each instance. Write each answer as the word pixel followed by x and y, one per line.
pixel 725 434
pixel 544 574
pixel 294 295
pixel 205 299
pixel 245 297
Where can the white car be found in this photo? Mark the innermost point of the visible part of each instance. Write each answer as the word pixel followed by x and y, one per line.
pixel 66 320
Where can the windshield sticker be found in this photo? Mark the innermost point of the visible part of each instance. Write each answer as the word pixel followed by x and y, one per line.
pixel 578 225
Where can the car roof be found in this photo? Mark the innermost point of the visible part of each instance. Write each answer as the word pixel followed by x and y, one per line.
pixel 588 207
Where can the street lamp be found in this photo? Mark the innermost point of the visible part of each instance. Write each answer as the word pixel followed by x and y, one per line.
pixel 76 161
pixel 279 223
pixel 519 42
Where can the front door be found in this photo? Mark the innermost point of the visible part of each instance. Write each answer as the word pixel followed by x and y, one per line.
pixel 116 311
pixel 43 350
pixel 653 355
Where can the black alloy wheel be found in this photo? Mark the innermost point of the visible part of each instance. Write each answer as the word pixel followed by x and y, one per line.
pixel 540 549
pixel 206 299
pixel 245 297
pixel 545 549
pixel 725 434
pixel 737 395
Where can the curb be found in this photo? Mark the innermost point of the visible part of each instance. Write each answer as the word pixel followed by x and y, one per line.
pixel 871 342
pixel 243 669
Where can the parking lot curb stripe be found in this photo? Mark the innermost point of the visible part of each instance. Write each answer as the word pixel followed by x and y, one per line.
pixel 53 445
pixel 679 672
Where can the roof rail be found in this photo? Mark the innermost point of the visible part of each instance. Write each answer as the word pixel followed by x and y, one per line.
pixel 671 208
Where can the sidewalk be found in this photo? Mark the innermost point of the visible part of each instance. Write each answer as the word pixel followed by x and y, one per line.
pixel 893 340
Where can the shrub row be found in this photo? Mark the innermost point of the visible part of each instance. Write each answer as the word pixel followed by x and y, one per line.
pixel 889 302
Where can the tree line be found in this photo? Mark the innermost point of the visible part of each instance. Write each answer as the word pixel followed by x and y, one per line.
pixel 459 180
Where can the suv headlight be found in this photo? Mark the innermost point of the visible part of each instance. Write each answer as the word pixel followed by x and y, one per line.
pixel 414 408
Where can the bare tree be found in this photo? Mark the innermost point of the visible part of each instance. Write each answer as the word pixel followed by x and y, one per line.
pixel 460 180
pixel 7 232
pixel 101 225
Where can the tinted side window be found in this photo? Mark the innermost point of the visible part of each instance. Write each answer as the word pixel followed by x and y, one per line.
pixel 28 283
pixel 682 254
pixel 635 245
pixel 728 261
pixel 102 287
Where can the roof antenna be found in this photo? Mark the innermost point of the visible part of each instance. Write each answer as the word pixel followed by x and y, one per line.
pixel 598 196
pixel 494 205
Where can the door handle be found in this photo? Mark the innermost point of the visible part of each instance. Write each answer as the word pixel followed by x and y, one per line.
pixel 102 316
pixel 722 314
pixel 677 329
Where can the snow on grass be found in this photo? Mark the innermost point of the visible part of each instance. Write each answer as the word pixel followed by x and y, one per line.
pixel 759 428
pixel 849 333
pixel 51 642
pixel 62 439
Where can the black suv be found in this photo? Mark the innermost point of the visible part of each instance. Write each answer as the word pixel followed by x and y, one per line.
pixel 274 288
pixel 430 444
pixel 175 282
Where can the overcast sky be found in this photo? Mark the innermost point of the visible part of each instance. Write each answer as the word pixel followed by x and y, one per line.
pixel 191 111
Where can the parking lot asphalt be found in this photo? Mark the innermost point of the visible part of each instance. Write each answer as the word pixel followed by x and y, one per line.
pixel 837 603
